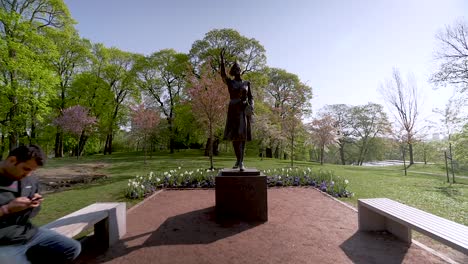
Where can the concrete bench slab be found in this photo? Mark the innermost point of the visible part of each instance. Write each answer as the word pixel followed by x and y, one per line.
pixel 380 214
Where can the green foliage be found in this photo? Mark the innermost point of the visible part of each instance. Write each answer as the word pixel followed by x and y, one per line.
pixel 248 52
pixel 26 78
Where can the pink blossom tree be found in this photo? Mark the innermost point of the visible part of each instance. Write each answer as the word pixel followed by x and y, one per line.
pixel 144 122
pixel 76 121
pixel 324 133
pixel 208 97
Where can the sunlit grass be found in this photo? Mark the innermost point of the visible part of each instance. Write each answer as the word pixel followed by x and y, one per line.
pixel 428 192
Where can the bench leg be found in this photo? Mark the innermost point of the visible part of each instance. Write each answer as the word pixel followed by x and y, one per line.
pixel 372 221
pixel 117 223
pixel 401 231
pixel 101 232
pixel 369 220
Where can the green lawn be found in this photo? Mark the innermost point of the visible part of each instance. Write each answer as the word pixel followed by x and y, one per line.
pixel 425 191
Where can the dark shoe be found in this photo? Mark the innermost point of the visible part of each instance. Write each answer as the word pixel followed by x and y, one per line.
pixel 236 165
pixel 241 166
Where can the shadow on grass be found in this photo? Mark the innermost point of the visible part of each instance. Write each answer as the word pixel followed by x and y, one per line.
pixel 196 227
pixel 374 247
pixel 448 191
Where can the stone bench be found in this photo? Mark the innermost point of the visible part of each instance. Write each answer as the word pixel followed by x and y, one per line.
pixel 385 214
pixel 107 219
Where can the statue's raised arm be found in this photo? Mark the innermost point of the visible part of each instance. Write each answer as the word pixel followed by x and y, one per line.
pixel 222 65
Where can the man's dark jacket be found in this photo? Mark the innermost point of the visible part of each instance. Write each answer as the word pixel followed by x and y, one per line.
pixel 16 228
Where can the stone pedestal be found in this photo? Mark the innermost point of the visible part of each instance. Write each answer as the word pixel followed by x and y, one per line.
pixel 241 195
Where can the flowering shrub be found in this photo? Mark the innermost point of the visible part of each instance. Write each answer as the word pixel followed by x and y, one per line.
pixel 325 181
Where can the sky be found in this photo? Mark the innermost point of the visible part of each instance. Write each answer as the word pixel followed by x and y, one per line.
pixel 344 49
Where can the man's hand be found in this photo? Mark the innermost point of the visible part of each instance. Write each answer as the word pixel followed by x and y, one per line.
pixel 36 200
pixel 23 203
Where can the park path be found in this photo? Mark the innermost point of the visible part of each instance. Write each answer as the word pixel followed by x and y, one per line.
pixel 304 226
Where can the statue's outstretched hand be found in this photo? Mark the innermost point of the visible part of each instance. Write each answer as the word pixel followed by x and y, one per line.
pixel 222 53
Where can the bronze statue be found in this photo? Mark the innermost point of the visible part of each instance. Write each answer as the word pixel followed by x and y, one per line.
pixel 240 110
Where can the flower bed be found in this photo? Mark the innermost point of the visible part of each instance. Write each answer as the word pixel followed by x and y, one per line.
pixel 326 181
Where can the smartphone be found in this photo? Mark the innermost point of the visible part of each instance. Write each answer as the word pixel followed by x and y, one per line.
pixel 35 199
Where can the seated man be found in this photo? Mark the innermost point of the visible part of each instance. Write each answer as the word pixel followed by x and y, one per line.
pixel 20 241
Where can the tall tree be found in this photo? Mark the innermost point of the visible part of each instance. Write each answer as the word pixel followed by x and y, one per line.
pixel 451 116
pixel 162 75
pixel 208 97
pixel 25 79
pixel 75 120
pixel 452 55
pixel 341 113
pixel 249 53
pixel 324 133
pixel 289 99
pixel 74 55
pixel 369 121
pixel 144 122
pixel 118 74
pixel 403 100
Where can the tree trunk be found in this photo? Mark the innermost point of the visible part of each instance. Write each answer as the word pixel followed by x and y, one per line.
pixel 277 152
pixel 342 156
pixel 108 146
pixel 268 153
pixel 58 148
pixel 207 147
pixel 82 143
pixel 171 136
pixel 33 138
pixel 211 147
pixel 410 145
pixel 13 140
pixel 292 151
pixel 216 146
pixel 321 155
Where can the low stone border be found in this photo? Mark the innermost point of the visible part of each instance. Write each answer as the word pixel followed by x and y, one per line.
pixel 144 200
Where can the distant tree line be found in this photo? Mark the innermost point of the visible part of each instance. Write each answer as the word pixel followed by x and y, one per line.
pixel 76 97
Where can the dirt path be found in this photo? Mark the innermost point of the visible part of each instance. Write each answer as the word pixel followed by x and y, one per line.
pixel 304 226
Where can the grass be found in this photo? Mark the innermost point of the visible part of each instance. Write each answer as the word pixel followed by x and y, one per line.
pixel 425 191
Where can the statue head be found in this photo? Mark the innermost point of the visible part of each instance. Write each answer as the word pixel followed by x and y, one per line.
pixel 235 69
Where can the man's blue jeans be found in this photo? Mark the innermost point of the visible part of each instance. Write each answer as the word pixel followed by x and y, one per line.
pixel 46 246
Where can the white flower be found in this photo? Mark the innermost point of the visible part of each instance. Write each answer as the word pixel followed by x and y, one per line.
pixel 346 181
pixel 279 177
pixel 179 168
pixel 157 179
pixel 151 174
pixel 129 184
pixel 142 186
pixel 168 175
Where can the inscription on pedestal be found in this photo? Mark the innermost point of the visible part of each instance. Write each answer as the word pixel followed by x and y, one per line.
pixel 241 195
